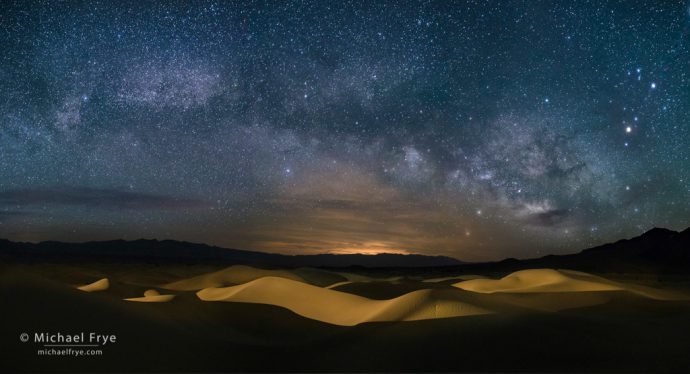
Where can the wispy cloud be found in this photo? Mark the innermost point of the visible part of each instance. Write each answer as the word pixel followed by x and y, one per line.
pixel 542 214
pixel 95 198
pixel 549 218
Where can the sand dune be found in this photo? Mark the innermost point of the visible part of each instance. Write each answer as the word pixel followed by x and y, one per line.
pixel 351 277
pixel 550 280
pixel 358 278
pixel 239 274
pixel 334 285
pixel 99 285
pixel 341 308
pixel 458 277
pixel 152 296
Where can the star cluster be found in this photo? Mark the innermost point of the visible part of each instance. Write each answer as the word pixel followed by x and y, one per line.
pixel 478 130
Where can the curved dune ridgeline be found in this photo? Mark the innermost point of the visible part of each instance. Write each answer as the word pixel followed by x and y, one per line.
pixel 456 277
pixel 341 308
pixel 152 296
pixel 318 295
pixel 239 274
pixel 99 285
pixel 550 280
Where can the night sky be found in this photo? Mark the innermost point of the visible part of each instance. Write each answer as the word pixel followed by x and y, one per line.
pixel 479 130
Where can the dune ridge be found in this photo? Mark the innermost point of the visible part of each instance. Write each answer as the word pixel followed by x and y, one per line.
pixel 151 296
pixel 341 308
pixel 99 285
pixel 456 277
pixel 239 274
pixel 551 280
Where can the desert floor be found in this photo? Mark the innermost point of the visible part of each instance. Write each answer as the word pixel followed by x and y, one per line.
pixel 204 318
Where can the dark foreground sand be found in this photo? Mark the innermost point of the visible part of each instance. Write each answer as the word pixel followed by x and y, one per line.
pixel 597 331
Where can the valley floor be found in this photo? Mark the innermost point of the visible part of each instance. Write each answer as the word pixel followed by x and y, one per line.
pixel 536 321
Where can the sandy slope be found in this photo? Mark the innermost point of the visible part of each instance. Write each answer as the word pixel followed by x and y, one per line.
pixel 351 277
pixel 152 296
pixel 239 274
pixel 340 308
pixel 99 285
pixel 550 280
pixel 602 331
pixel 358 278
pixel 456 277
pixel 334 285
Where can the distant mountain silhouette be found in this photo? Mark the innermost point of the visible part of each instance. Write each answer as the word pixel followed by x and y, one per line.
pixel 659 250
pixel 171 251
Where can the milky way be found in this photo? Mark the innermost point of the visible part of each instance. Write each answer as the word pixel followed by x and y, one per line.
pixel 475 130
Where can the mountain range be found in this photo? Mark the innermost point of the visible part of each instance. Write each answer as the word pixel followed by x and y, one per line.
pixel 172 251
pixel 658 250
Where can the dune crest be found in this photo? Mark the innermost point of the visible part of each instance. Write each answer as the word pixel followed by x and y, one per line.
pixel 550 280
pixel 358 278
pixel 239 274
pixel 152 296
pixel 456 277
pixel 341 308
pixel 99 285
pixel 355 278
pixel 334 285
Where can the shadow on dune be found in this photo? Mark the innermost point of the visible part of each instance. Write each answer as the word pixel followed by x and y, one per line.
pixel 621 332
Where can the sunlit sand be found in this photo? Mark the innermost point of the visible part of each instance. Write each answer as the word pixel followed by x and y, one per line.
pixel 152 296
pixel 99 285
pixel 550 280
pixel 456 277
pixel 323 312
pixel 239 274
pixel 340 308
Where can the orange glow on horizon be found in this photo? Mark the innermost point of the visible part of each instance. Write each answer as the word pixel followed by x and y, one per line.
pixel 369 248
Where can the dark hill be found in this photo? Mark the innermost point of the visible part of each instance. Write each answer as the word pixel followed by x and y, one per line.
pixel 658 250
pixel 171 251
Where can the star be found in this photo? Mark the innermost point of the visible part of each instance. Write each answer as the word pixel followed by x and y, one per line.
pixel 314 126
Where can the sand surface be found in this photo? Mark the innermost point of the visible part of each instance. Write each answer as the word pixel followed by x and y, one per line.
pixel 456 277
pixel 152 296
pixel 340 308
pixel 99 285
pixel 550 280
pixel 239 274
pixel 536 320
